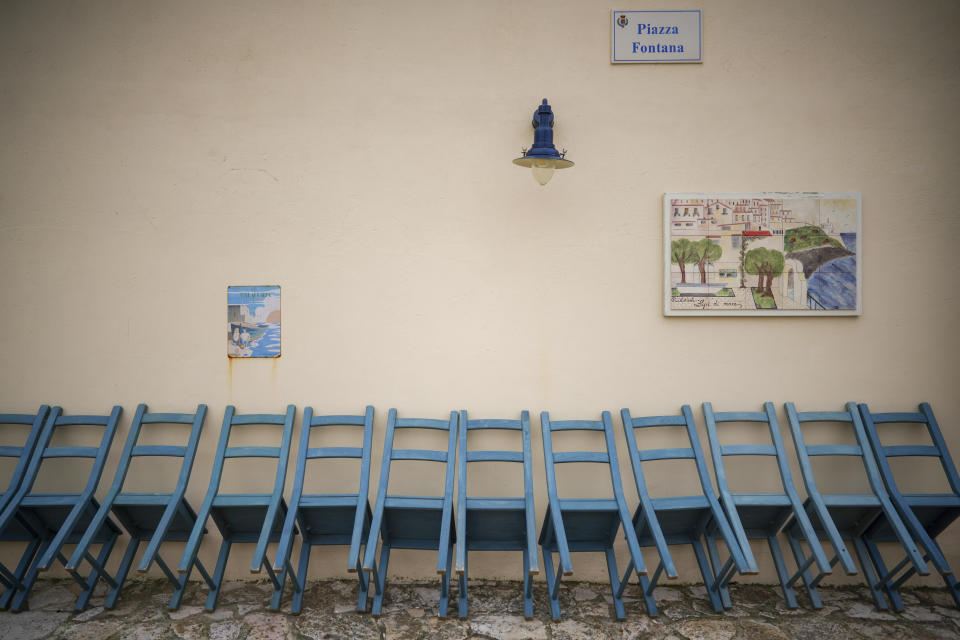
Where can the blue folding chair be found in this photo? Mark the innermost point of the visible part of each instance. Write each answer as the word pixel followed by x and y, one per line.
pixel 660 522
pixel 758 515
pixel 47 521
pixel 11 579
pixel 323 518
pixel 413 522
pixel 585 524
pixel 926 515
pixel 496 524
pixel 249 517
pixel 840 517
pixel 155 517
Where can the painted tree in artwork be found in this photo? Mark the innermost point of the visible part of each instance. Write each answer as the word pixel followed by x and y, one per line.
pixel 684 252
pixel 707 251
pixel 766 264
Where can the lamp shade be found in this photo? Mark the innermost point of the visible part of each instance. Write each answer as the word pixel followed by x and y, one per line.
pixel 543 157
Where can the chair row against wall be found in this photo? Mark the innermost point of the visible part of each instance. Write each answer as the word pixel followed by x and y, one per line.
pixel 710 521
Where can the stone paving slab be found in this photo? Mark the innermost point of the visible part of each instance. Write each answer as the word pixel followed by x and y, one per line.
pixel 496 613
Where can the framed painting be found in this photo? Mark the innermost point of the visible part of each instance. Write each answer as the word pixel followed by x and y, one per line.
pixel 253 321
pixel 762 254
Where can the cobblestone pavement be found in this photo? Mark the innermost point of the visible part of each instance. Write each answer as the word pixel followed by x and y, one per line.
pixel 496 612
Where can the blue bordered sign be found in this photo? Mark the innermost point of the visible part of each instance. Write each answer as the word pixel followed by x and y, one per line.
pixel 656 36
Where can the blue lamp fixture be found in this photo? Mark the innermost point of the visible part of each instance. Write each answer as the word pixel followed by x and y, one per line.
pixel 543 157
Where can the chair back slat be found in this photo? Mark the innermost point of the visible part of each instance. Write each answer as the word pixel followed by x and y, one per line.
pixel 159 450
pixel 747 450
pixel 910 450
pixel 494 456
pixel 823 416
pixel 252 452
pixel 679 453
pixel 427 455
pixel 879 418
pixel 421 423
pixel 576 425
pixel 11 452
pixel 657 421
pixel 740 416
pixel 169 418
pixel 315 453
pixel 82 421
pixel 334 420
pixel 510 425
pixel 834 450
pixel 580 456
pixel 18 418
pixel 71 452
pixel 258 419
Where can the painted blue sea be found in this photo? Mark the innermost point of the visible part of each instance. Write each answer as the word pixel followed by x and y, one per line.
pixel 268 344
pixel 834 285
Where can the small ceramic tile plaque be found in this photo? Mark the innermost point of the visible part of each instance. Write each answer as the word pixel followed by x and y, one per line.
pixel 253 321
pixel 763 254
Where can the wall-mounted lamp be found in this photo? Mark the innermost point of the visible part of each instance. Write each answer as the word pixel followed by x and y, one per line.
pixel 543 157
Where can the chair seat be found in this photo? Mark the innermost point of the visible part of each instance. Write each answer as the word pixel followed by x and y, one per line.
pixel 244 520
pixel 590 525
pixel 141 513
pixel 413 522
pixel 49 513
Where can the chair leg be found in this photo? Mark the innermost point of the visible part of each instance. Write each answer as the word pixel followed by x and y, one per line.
pixel 181 585
pixel 788 593
pixel 870 559
pixel 300 584
pixel 19 602
pixel 802 560
pixel 105 550
pixel 709 580
pixel 364 580
pixel 462 581
pixel 527 587
pixel 614 583
pixel 211 603
pixel 553 584
pixel 714 556
pixel 34 548
pixel 445 582
pixel 121 575
pixel 381 580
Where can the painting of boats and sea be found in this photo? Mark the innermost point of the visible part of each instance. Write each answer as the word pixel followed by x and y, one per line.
pixel 253 321
pixel 763 254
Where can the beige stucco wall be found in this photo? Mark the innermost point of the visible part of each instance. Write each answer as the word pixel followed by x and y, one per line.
pixel 358 155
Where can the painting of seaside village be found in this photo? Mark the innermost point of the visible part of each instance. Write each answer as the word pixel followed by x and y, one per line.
pixel 253 321
pixel 762 254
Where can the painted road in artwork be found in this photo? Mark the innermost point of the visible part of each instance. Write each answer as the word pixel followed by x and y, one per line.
pixel 253 321
pixel 762 254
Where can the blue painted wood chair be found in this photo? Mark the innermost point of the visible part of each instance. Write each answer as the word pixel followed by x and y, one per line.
pixel 154 517
pixel 585 524
pixel 323 518
pixel 48 521
pixel 759 515
pixel 11 580
pixel 661 522
pixel 842 517
pixel 413 522
pixel 926 515
pixel 496 523
pixel 250 517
